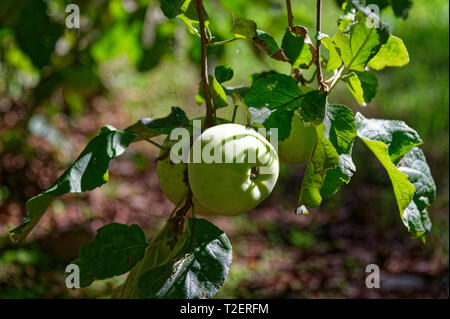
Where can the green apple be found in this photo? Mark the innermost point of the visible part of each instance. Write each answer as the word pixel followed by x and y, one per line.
pixel 172 179
pixel 297 148
pixel 232 169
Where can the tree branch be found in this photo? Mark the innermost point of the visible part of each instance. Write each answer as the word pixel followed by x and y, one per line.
pixel 289 11
pixel 320 81
pixel 209 120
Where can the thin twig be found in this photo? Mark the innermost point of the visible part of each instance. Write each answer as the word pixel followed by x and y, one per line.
pixel 298 76
pixel 289 11
pixel 312 77
pixel 222 42
pixel 155 144
pixel 209 119
pixel 234 114
pixel 322 84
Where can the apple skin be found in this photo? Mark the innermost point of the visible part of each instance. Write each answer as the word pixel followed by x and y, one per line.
pixel 172 180
pixel 233 188
pixel 297 148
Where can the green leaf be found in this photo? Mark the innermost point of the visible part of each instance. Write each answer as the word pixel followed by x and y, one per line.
pixel 35 32
pixel 162 249
pixel 274 91
pixel 280 119
pixel 89 171
pixel 172 8
pixel 341 126
pixel 334 60
pixel 341 131
pixel 186 10
pixel 398 136
pixel 403 189
pixel 401 7
pixel 298 48
pixel 244 28
pixel 412 182
pixel 190 17
pixel 149 127
pixel 392 53
pixel 218 95
pixel 338 175
pixel 217 91
pixel 223 73
pixel 360 44
pixel 268 44
pixel 415 217
pixel 313 106
pixel 324 157
pixel 363 86
pixel 199 270
pixel 107 47
pixel 261 75
pixel 116 250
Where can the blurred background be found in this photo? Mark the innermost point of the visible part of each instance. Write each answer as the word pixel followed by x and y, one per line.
pixel 126 62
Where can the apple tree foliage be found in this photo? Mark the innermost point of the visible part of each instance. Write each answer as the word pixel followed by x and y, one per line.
pixel 191 258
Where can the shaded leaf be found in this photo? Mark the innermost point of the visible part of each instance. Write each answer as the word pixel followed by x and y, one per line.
pixel 268 44
pixel 172 8
pixel 116 250
pixel 223 73
pixel 244 28
pixel 199 270
pixel 341 131
pixel 35 33
pixel 149 127
pixel 280 119
pixel 89 171
pixel 338 175
pixel 298 48
pixel 274 91
pixel 313 106
pixel 341 127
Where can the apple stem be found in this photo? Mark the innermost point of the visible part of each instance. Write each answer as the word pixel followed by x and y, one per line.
pixel 209 119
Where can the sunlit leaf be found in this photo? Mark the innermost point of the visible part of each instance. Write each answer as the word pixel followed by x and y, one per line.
pixel 392 53
pixel 415 217
pixel 398 136
pixel 323 158
pixel 363 86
